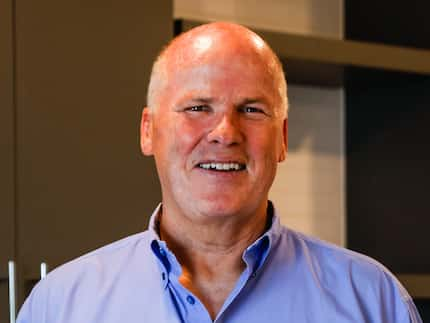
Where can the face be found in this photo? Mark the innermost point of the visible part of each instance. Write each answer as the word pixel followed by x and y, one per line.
pixel 217 135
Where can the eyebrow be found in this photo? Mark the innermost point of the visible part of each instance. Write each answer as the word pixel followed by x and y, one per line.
pixel 245 101
pixel 202 100
pixel 253 100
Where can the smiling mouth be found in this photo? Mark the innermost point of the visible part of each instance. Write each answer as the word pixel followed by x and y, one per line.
pixel 223 167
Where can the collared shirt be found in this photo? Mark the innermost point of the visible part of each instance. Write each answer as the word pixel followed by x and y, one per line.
pixel 289 277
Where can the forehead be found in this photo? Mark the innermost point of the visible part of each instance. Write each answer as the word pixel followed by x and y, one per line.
pixel 205 66
pixel 221 79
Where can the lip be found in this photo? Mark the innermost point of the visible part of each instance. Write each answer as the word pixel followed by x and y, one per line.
pixel 221 174
pixel 211 174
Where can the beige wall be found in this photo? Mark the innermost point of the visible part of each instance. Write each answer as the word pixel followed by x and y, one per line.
pixel 309 188
pixel 314 17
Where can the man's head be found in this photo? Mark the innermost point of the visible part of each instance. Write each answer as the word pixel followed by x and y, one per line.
pixel 202 39
pixel 216 122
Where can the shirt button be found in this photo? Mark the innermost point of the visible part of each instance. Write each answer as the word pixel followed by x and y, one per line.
pixel 163 276
pixel 190 299
pixel 162 252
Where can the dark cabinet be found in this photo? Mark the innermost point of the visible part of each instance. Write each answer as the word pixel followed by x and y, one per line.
pixel 388 168
pixel 72 175
pixel 388 159
pixel 7 154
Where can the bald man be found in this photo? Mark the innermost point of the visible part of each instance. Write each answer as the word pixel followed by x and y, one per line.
pixel 216 124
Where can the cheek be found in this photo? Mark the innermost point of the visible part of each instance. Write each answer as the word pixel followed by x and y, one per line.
pixel 265 147
pixel 265 140
pixel 185 135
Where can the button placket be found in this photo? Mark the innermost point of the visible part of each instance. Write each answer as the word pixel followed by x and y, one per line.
pixel 196 311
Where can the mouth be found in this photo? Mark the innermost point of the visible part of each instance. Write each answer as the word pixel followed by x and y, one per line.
pixel 222 166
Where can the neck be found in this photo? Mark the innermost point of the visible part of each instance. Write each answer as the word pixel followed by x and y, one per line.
pixel 210 253
pixel 220 237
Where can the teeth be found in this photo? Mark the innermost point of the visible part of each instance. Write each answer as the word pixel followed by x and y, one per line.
pixel 221 166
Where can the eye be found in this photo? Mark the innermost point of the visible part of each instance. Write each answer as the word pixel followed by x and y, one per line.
pixel 197 108
pixel 250 109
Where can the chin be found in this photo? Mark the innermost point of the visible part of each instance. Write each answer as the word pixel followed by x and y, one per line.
pixel 220 208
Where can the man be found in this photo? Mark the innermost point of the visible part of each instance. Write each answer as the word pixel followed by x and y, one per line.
pixel 215 251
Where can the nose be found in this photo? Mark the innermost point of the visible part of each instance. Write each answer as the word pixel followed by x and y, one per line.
pixel 226 131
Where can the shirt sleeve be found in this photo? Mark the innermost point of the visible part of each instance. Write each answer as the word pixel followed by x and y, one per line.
pixel 33 309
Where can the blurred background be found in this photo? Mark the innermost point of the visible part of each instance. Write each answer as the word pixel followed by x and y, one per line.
pixel 73 77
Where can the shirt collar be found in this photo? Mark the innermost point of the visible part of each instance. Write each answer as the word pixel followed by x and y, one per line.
pixel 254 256
pixel 153 223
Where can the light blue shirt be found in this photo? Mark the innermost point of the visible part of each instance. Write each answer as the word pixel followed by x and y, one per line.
pixel 289 277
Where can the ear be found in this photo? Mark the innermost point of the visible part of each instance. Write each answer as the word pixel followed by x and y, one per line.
pixel 146 132
pixel 284 151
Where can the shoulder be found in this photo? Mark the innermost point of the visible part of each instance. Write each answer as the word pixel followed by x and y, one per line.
pixel 330 253
pixel 84 279
pixel 108 258
pixel 347 276
pixel 335 260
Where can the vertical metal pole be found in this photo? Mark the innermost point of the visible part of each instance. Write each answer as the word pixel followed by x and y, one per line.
pixel 12 292
pixel 43 270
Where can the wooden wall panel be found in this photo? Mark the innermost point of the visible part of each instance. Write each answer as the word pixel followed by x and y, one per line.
pixel 82 72
pixel 7 170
